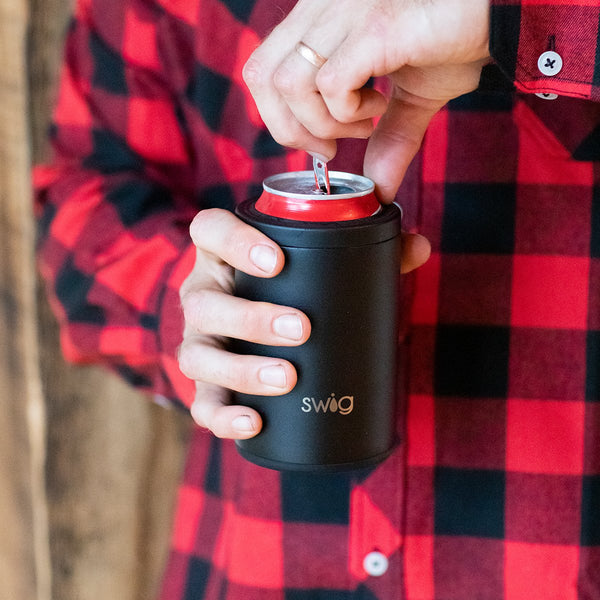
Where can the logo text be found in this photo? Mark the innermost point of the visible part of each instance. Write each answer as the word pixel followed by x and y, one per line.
pixel 343 405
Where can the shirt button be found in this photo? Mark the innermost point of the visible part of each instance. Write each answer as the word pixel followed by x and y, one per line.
pixel 375 564
pixel 546 96
pixel 550 63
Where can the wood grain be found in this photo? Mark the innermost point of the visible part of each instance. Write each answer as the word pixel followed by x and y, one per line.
pixel 88 467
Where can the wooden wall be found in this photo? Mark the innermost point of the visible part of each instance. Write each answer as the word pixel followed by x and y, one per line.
pixel 88 468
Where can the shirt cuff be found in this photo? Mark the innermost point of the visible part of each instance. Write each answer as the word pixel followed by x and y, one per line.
pixel 547 47
pixel 179 387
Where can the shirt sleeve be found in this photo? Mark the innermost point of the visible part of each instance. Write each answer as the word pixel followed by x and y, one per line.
pixel 549 46
pixel 114 204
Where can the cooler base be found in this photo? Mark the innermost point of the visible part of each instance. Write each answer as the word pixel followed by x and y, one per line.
pixel 322 468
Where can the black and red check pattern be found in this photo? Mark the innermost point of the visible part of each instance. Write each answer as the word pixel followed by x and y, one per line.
pixel 494 492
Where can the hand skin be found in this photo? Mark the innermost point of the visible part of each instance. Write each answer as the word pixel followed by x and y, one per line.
pixel 431 50
pixel 212 313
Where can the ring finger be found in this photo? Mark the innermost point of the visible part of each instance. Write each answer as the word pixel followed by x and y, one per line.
pixel 203 361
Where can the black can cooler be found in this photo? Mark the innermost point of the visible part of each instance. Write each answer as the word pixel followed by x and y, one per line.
pixel 341 269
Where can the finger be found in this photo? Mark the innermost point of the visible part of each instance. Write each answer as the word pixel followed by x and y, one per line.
pixel 211 312
pixel 201 360
pixel 210 410
pixel 343 87
pixel 395 141
pixel 342 81
pixel 220 233
pixel 418 95
pixel 294 80
pixel 416 250
pixel 354 106
pixel 259 75
pixel 380 45
pixel 286 129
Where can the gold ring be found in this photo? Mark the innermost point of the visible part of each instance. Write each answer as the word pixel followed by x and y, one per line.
pixel 314 58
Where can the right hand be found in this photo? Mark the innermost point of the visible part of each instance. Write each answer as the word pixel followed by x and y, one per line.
pixel 432 51
pixel 212 314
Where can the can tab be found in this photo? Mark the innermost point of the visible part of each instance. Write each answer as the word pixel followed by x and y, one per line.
pixel 321 176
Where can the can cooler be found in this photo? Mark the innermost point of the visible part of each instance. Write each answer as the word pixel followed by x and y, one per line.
pixel 342 263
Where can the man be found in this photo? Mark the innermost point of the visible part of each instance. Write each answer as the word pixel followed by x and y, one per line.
pixel 492 492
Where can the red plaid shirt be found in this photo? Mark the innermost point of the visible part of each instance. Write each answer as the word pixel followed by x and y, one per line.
pixel 494 492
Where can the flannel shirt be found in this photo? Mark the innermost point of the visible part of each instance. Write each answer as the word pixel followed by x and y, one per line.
pixel 494 491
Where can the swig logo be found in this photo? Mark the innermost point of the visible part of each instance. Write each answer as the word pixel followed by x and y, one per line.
pixel 343 406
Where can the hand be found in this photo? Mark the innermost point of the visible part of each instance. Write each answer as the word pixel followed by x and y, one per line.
pixel 212 314
pixel 432 51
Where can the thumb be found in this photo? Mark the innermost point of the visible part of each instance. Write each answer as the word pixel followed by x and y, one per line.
pixel 396 140
pixel 416 250
pixel 419 93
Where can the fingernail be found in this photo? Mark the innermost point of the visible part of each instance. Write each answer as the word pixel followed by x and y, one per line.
pixel 288 326
pixel 243 424
pixel 318 156
pixel 273 376
pixel 263 257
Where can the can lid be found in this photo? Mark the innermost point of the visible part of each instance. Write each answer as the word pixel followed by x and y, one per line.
pixel 295 196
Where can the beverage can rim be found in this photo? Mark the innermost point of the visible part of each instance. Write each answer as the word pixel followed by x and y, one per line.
pixel 361 185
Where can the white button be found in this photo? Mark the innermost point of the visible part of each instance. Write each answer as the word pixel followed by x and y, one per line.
pixel 375 564
pixel 547 96
pixel 550 63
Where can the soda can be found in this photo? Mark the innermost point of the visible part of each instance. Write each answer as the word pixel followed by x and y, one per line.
pixel 342 263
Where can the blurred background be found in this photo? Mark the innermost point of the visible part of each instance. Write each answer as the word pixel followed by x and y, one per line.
pixel 88 468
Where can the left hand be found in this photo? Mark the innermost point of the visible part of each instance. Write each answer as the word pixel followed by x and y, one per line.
pixel 213 314
pixel 432 51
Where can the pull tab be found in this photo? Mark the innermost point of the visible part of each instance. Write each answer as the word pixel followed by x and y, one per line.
pixel 321 175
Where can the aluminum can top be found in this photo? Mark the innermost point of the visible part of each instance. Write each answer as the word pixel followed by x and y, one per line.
pixel 295 196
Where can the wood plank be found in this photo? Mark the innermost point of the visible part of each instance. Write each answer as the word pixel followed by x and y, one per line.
pixel 114 458
pixel 25 564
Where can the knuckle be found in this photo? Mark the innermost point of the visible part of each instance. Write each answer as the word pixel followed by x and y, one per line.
pixel 323 128
pixel 326 129
pixel 344 114
pixel 205 414
pixel 237 239
pixel 186 359
pixel 242 374
pixel 238 380
pixel 197 309
pixel 227 377
pixel 254 74
pixel 286 82
pixel 217 432
pixel 291 136
pixel 286 139
pixel 184 289
pixel 328 82
pixel 222 370
pixel 343 111
pixel 251 315
pixel 198 413
pixel 205 221
pixel 237 376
